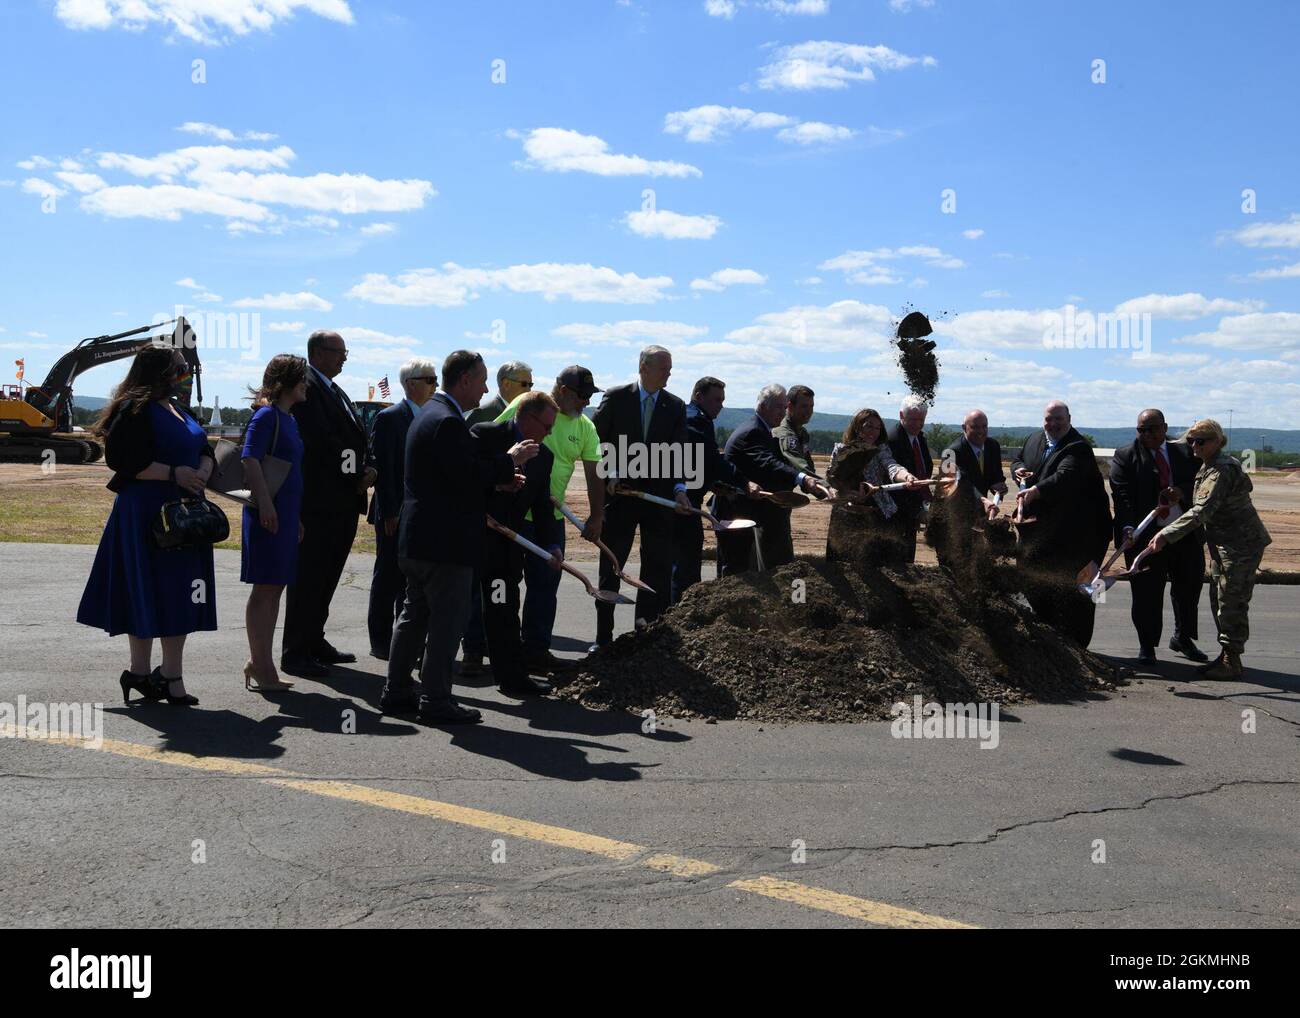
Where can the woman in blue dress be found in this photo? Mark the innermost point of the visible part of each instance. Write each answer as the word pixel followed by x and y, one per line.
pixel 158 453
pixel 272 527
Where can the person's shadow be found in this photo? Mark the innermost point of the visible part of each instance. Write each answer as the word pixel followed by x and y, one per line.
pixel 564 759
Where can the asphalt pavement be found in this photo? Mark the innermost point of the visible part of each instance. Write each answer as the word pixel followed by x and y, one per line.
pixel 1173 803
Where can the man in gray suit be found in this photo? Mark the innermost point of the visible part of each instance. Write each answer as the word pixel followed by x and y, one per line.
pixel 513 379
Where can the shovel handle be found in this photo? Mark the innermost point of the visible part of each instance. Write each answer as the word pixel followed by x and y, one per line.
pixel 505 531
pixel 667 503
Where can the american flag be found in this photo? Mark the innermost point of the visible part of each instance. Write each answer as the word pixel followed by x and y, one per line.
pixel 383 387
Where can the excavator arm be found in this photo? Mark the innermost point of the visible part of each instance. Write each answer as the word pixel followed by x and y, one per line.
pixel 53 398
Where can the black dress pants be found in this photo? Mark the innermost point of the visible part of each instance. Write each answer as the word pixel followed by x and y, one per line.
pixel 327 540
pixel 1182 566
pixel 622 518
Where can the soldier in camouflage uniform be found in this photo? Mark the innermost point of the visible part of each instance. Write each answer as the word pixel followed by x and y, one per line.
pixel 791 433
pixel 1235 534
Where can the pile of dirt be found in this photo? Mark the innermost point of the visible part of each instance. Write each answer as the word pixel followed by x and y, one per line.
pixel 833 642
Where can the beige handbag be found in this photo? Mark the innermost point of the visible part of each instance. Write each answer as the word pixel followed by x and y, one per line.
pixel 228 475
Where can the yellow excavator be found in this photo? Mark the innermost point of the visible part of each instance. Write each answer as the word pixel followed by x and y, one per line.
pixel 41 418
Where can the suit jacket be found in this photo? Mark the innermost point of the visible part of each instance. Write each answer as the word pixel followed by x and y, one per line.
pixel 900 444
pixel 489 411
pixel 1135 484
pixel 1072 509
pixel 446 483
pixel 969 466
pixel 699 431
pixel 619 416
pixel 334 453
pixel 535 496
pixel 756 454
pixel 388 457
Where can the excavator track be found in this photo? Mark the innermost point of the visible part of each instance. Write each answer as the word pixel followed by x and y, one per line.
pixel 32 449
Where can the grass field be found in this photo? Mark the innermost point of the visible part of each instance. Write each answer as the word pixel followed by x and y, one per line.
pixel 70 505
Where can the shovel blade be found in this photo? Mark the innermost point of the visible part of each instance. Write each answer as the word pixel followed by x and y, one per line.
pixel 733 524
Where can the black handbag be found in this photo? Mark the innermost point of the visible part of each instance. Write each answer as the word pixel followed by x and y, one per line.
pixel 190 523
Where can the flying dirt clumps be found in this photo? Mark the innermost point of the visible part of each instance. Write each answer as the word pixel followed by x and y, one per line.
pixel 819 641
pixel 916 357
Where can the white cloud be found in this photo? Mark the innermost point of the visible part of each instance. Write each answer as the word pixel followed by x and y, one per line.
pixel 825 64
pixel 905 6
pixel 866 268
pixel 378 229
pixel 42 188
pixel 727 8
pixel 1284 234
pixel 1000 329
pixel 630 333
pixel 1183 306
pixel 711 123
pixel 234 183
pixel 189 283
pixel 83 182
pixel 558 150
pixel 285 302
pixel 671 225
pixel 203 21
pixel 38 335
pixel 1273 330
pixel 995 293
pixel 453 285
pixel 210 130
pixel 168 201
pixel 972 234
pixel 35 163
pixel 812 132
pixel 843 325
pixel 1285 272
pixel 810 281
pixel 371 347
pixel 724 278
pixel 209 298
pixel 285 326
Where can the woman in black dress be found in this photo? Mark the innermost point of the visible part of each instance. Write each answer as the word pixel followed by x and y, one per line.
pixel 158 453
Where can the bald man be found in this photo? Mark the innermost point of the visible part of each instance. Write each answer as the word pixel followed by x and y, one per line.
pixel 1064 490
pixel 979 458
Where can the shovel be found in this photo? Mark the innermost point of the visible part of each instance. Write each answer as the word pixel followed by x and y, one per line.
pixel 572 517
pixel 668 503
pixel 600 595
pixel 1091 580
pixel 785 499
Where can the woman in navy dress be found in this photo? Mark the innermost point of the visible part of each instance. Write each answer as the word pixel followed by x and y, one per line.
pixel 272 527
pixel 158 453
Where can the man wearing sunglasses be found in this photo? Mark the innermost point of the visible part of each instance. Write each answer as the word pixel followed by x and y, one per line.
pixel 1154 473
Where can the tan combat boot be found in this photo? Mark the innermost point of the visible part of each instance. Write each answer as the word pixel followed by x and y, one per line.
pixel 1227 667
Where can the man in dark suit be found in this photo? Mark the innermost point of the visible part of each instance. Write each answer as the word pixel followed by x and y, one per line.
pixel 688 530
pixel 335 478
pixel 642 429
pixel 907 442
pixel 1152 473
pixel 979 458
pixel 756 454
pixel 503 559
pixel 1068 497
pixel 419 380
pixel 440 540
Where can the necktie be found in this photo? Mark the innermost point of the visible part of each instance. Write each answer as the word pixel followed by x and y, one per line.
pixel 1162 468
pixel 647 408
pixel 920 463
pixel 979 458
pixel 343 398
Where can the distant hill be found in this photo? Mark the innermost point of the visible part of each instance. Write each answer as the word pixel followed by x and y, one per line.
pixel 1107 438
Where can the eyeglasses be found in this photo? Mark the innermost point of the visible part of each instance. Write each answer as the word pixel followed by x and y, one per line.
pixel 335 349
pixel 523 381
pixel 1199 441
pixel 1145 428
pixel 426 379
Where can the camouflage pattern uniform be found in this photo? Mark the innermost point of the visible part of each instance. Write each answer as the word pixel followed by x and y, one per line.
pixel 796 446
pixel 1237 539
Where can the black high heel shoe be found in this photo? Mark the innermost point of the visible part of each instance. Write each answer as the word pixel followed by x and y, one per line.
pixel 163 687
pixel 142 684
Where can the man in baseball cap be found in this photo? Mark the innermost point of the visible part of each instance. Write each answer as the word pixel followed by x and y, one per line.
pixel 572 439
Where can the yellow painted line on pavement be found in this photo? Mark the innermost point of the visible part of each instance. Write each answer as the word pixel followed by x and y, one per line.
pixel 863 909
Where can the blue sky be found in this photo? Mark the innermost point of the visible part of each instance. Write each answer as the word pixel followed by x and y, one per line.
pixel 760 186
